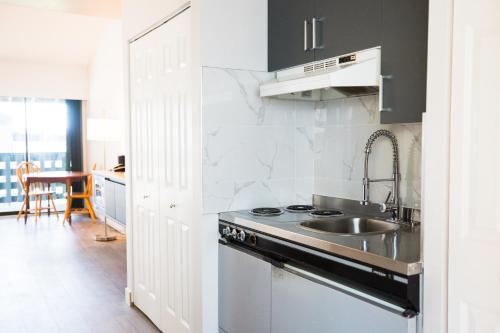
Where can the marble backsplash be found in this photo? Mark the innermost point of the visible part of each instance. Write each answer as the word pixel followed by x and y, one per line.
pixel 249 145
pixel 276 152
pixel 341 128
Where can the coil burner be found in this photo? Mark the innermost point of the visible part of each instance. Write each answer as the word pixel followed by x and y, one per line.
pixel 326 213
pixel 266 211
pixel 300 208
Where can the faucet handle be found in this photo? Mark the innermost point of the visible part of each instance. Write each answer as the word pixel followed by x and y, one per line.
pixel 388 197
pixel 388 206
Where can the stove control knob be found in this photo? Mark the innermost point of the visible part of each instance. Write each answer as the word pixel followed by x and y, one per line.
pixel 234 234
pixel 226 231
pixel 241 236
pixel 253 239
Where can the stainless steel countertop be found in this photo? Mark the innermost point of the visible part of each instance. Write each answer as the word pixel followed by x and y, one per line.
pixel 397 251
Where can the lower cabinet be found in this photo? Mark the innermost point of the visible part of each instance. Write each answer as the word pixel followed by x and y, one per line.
pixel 115 200
pixel 120 209
pixel 301 305
pixel 244 292
pixel 255 296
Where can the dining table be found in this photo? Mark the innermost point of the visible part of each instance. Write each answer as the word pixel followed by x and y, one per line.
pixel 50 177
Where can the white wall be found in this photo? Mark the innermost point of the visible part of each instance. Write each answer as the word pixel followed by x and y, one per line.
pixel 46 53
pixel 31 79
pixel 234 34
pixel 106 96
pixel 45 36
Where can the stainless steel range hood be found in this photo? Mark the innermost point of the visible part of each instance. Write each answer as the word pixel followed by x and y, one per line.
pixel 352 74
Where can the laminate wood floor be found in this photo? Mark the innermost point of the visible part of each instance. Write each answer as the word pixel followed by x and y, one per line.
pixel 56 278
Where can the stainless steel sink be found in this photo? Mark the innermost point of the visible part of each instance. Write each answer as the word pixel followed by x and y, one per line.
pixel 350 226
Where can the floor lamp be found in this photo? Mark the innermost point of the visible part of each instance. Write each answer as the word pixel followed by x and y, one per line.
pixel 103 130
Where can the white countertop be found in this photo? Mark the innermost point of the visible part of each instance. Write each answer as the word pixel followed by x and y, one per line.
pixel 118 177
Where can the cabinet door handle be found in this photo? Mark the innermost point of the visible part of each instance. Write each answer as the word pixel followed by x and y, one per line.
pixel 172 205
pixel 314 33
pixel 381 107
pixel 305 35
pixel 145 196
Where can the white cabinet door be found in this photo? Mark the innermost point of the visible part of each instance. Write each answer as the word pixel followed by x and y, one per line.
pixel 144 104
pixel 244 292
pixel 177 213
pixel 164 207
pixel 474 227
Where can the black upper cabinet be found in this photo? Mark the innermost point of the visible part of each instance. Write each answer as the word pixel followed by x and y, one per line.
pixel 290 33
pixel 336 27
pixel 340 26
pixel 404 60
pixel 346 26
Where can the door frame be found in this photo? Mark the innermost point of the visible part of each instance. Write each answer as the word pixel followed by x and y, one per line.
pixel 436 167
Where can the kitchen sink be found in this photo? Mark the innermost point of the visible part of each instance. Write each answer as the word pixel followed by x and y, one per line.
pixel 350 226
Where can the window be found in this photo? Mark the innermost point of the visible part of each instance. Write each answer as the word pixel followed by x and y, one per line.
pixel 36 130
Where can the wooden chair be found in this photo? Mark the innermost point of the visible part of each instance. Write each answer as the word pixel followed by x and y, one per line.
pixel 36 190
pixel 86 195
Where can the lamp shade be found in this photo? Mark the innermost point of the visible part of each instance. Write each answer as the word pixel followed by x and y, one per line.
pixel 102 129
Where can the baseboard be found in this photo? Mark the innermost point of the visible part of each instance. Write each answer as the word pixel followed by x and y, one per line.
pixel 116 225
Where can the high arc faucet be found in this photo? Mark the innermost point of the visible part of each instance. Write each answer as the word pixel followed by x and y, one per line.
pixel 391 205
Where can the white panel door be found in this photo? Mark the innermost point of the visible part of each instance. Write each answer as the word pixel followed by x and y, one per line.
pixel 144 167
pixel 474 227
pixel 162 174
pixel 176 169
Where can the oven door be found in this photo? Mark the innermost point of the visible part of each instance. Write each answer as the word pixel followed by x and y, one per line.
pixel 244 291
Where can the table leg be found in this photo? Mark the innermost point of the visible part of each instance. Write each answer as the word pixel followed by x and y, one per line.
pixel 26 202
pixel 48 200
pixel 68 201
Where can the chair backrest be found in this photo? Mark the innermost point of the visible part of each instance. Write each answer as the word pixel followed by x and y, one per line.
pixel 25 168
pixel 89 184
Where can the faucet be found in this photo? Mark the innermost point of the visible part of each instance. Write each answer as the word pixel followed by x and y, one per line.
pixel 391 205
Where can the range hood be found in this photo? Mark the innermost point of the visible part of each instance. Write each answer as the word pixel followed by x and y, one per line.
pixel 353 74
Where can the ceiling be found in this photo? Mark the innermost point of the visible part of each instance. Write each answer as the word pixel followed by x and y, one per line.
pixel 44 36
pixel 101 8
